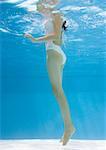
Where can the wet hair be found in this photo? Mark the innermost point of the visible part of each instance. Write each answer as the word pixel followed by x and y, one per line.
pixel 64 25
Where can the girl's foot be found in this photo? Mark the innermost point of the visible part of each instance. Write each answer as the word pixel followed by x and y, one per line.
pixel 68 132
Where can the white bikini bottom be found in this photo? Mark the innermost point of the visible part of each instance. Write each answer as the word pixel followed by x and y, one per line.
pixel 52 46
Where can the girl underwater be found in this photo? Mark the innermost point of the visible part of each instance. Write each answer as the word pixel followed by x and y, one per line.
pixel 56 59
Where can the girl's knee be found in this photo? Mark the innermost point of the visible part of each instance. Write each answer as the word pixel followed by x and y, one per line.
pixel 57 90
pixel 54 88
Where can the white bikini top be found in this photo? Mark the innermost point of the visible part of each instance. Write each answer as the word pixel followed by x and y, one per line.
pixel 49 28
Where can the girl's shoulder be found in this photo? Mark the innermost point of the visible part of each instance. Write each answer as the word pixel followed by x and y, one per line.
pixel 57 14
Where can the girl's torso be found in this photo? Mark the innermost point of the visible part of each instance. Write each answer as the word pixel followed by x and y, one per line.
pixel 49 28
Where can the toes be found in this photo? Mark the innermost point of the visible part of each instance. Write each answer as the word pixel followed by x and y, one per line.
pixel 65 140
pixel 67 136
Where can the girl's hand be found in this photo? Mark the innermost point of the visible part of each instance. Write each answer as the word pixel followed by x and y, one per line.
pixel 27 35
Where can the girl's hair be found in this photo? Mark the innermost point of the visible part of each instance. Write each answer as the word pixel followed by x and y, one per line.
pixel 64 25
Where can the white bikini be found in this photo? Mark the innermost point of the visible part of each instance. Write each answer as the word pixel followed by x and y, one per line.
pixel 49 44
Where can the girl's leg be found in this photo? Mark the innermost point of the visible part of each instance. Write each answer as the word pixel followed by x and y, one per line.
pixel 54 66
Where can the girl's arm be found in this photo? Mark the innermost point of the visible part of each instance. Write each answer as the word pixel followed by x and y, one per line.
pixel 43 38
pixel 52 36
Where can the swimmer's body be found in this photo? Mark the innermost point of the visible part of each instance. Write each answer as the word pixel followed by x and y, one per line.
pixel 55 63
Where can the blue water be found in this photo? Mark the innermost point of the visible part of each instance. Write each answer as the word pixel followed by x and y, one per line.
pixel 28 105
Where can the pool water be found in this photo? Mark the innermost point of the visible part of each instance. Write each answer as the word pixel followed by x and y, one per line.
pixel 28 105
